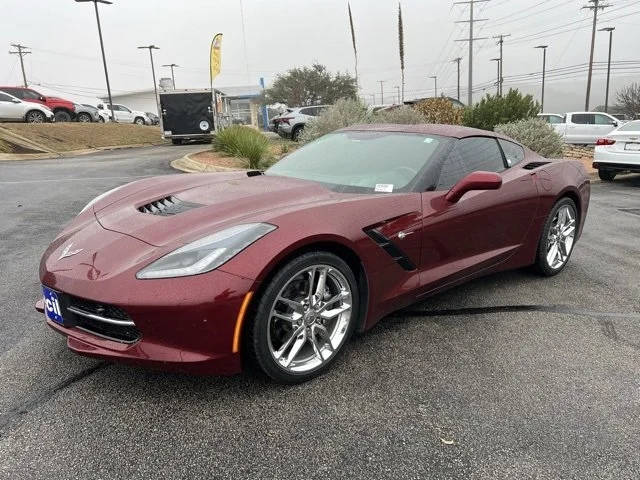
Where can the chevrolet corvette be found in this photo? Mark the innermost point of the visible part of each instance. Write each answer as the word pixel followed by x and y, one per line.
pixel 207 273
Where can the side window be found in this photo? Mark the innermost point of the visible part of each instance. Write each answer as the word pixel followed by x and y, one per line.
pixel 16 92
pixel 307 111
pixel 115 108
pixel 603 119
pixel 512 152
pixel 124 109
pixel 4 97
pixel 470 155
pixel 583 118
pixel 30 94
pixel 555 119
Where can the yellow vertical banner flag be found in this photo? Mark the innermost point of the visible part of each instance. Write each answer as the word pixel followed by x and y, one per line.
pixel 216 56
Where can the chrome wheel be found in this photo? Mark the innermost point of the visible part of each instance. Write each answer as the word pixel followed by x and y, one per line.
pixel 309 318
pixel 35 117
pixel 561 236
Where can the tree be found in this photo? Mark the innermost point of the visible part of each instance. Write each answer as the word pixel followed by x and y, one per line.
pixel 313 85
pixel 629 99
pixel 494 110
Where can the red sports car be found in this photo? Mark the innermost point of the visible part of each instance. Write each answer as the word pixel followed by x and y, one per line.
pixel 201 273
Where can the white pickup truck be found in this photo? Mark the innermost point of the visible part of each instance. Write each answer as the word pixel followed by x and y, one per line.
pixel 585 127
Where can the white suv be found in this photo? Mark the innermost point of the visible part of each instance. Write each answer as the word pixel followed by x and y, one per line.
pixel 126 115
pixel 13 109
pixel 291 123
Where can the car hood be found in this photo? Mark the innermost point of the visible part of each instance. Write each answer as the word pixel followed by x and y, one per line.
pixel 181 208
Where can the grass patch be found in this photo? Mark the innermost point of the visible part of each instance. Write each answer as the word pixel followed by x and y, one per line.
pixel 244 142
pixel 64 137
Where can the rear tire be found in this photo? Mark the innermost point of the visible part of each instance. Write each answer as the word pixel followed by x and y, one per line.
pixel 84 118
pixel 35 116
pixel 301 323
pixel 62 116
pixel 606 175
pixel 558 238
pixel 295 135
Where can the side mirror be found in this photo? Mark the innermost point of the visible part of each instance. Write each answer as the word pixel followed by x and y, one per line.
pixel 43 98
pixel 474 181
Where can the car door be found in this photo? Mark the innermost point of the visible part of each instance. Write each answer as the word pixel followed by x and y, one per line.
pixel 603 125
pixel 10 109
pixel 123 114
pixel 482 229
pixel 581 128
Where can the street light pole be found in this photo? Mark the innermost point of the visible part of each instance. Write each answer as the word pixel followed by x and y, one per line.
pixel 104 60
pixel 435 86
pixel 151 48
pixel 173 78
pixel 544 71
pixel 606 98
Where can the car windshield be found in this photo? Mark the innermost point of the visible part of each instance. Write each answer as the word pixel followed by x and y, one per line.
pixel 633 126
pixel 362 161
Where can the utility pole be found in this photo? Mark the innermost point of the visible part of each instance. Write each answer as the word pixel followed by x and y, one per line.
pixel 471 21
pixel 173 78
pixel 498 75
pixel 21 52
pixel 104 60
pixel 381 82
pixel 397 87
pixel 435 86
pixel 606 97
pixel 151 48
pixel 500 42
pixel 595 7
pixel 544 70
pixel 457 60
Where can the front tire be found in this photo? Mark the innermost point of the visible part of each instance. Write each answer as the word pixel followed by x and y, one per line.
pixel 35 116
pixel 139 121
pixel 606 175
pixel 304 318
pixel 558 238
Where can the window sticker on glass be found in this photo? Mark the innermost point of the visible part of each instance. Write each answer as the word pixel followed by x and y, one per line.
pixel 384 187
pixel 428 140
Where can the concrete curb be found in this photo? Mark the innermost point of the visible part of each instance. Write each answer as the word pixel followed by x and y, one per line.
pixel 70 153
pixel 190 165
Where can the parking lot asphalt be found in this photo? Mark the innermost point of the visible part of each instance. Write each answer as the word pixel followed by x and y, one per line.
pixel 510 376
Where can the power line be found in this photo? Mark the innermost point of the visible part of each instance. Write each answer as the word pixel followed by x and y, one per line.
pixel 471 39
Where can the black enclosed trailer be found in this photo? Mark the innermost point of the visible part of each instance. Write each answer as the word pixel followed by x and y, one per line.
pixel 188 114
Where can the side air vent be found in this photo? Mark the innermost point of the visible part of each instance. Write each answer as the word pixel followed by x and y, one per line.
pixel 391 248
pixel 533 165
pixel 167 206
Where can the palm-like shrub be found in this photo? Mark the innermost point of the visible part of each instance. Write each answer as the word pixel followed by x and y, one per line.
pixel 439 110
pixel 535 134
pixel 494 110
pixel 242 142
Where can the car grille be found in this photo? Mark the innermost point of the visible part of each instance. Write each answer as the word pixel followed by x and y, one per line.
pixel 167 206
pixel 100 319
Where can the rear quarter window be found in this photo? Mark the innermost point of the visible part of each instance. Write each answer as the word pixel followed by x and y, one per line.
pixel 513 152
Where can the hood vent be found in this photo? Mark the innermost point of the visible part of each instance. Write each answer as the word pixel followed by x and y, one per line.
pixel 167 206
pixel 533 165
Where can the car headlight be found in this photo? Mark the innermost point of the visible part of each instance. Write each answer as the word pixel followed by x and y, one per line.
pixel 207 253
pixel 100 197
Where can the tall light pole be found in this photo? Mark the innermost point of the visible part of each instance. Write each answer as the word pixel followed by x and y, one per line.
pixel 173 78
pixel 544 71
pixel 457 60
pixel 498 76
pixel 104 60
pixel 606 97
pixel 151 48
pixel 435 85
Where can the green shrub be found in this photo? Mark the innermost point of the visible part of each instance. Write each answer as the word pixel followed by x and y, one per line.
pixel 242 142
pixel 495 110
pixel 535 134
pixel 342 114
pixel 400 115
pixel 439 110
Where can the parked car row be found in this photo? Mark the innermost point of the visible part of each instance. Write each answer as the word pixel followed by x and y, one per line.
pixel 291 123
pixel 583 128
pixel 21 104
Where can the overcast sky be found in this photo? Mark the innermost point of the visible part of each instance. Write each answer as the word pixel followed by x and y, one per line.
pixel 281 34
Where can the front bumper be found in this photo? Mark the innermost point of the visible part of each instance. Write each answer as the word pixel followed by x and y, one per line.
pixel 185 324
